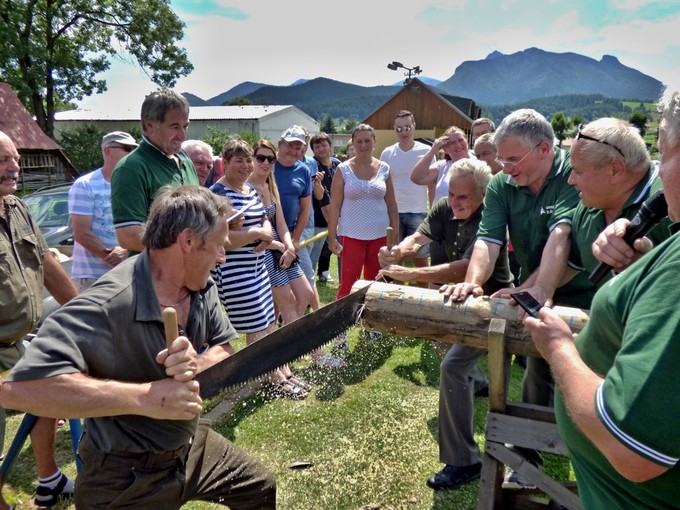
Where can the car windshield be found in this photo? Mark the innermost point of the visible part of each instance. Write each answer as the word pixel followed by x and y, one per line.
pixel 49 210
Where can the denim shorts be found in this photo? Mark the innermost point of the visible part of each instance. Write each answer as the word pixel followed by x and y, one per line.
pixel 408 225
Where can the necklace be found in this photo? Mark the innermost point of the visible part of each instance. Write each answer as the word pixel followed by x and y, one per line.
pixel 178 302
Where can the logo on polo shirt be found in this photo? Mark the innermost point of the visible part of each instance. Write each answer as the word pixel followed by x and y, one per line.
pixel 547 209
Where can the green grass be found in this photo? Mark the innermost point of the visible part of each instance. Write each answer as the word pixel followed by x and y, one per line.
pixel 369 430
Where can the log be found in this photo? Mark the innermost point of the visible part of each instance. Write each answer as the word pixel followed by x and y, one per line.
pixel 424 313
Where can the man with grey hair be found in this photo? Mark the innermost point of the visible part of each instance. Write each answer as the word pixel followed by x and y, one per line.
pixel 618 406
pixel 527 200
pixel 27 265
pixel 158 161
pixel 96 249
pixel 613 172
pixel 144 446
pixel 482 126
pixel 453 222
pixel 201 155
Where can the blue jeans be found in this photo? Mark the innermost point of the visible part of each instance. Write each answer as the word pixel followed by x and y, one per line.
pixel 408 225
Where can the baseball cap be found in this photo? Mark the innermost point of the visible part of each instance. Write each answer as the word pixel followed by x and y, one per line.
pixel 120 137
pixel 294 134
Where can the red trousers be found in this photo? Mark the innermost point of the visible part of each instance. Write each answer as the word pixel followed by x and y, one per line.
pixel 358 255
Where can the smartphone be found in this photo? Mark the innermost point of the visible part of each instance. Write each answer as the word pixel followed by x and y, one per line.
pixel 527 302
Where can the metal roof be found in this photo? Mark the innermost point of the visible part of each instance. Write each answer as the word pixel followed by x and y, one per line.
pixel 196 113
pixel 18 124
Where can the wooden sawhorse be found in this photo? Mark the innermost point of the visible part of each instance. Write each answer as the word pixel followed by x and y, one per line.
pixel 522 425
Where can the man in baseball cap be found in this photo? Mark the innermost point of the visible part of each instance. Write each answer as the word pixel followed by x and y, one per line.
pixel 96 249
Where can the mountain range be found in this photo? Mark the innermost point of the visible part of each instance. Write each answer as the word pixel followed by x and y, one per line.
pixel 498 79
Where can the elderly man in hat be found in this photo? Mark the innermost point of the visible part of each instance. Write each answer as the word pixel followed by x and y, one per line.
pixel 96 249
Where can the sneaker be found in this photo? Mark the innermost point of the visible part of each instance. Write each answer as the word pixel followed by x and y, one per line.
pixel 46 497
pixel 513 480
pixel 326 277
pixel 374 335
pixel 452 477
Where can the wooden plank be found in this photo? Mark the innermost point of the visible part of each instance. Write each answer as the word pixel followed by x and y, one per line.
pixel 552 488
pixel 530 411
pixel 490 493
pixel 524 433
pixel 497 355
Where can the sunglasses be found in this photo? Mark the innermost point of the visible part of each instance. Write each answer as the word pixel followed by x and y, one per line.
pixel 124 148
pixel 580 135
pixel 406 128
pixel 261 158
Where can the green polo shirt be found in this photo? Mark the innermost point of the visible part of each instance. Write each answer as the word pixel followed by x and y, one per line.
pixel 22 250
pixel 114 330
pixel 138 177
pixel 631 339
pixel 528 218
pixel 588 222
pixel 458 239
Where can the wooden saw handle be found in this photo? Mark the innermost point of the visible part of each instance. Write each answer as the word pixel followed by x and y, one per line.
pixel 390 238
pixel 171 326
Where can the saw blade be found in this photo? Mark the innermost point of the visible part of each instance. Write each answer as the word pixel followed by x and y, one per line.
pixel 285 345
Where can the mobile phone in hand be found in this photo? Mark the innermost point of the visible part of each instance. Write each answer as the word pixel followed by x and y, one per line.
pixel 527 302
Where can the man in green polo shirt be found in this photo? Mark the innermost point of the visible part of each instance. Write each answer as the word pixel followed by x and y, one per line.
pixel 618 404
pixel 526 201
pixel 454 221
pixel 612 170
pixel 158 161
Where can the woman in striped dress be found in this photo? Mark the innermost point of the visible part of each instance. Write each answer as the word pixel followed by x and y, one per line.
pixel 242 280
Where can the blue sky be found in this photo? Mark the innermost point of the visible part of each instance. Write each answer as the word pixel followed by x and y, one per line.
pixel 230 42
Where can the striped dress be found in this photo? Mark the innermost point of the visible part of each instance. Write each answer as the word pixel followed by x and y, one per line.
pixel 242 281
pixel 279 276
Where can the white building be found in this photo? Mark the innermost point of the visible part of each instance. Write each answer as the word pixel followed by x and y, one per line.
pixel 263 121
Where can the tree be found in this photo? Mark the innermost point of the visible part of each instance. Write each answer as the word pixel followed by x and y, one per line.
pixel 217 137
pixel 239 101
pixel 51 51
pixel 328 124
pixel 350 124
pixel 83 145
pixel 639 120
pixel 560 124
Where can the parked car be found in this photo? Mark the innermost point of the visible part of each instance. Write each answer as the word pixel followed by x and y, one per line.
pixel 49 208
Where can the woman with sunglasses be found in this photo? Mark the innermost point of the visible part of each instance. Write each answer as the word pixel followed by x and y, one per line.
pixel 242 280
pixel 291 290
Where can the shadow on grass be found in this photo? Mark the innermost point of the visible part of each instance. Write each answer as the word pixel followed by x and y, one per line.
pixel 426 369
pixel 368 355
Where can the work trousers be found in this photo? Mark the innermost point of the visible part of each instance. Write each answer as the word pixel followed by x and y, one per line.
pixel 210 469
pixel 459 379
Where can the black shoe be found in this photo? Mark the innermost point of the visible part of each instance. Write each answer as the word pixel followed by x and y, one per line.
pixel 452 477
pixel 482 392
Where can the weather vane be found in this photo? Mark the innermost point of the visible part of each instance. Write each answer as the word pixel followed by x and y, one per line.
pixel 410 73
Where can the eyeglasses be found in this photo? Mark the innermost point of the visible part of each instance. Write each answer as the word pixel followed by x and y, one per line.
pixel 124 148
pixel 406 128
pixel 512 164
pixel 580 135
pixel 261 158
